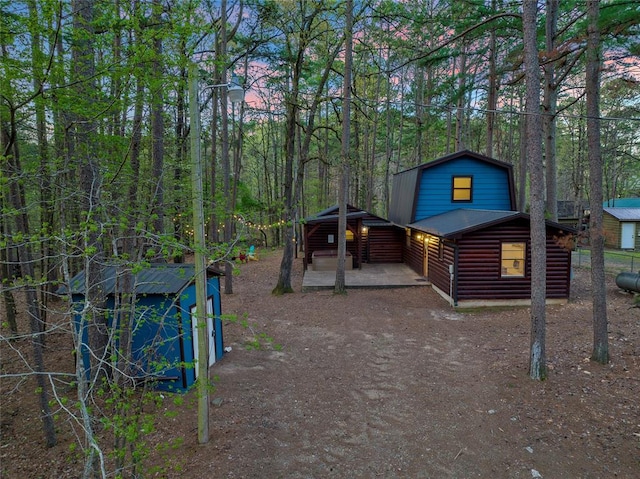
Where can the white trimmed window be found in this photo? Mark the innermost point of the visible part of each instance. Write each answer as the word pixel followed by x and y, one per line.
pixel 512 260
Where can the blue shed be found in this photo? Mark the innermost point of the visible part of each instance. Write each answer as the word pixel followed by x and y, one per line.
pixel 164 334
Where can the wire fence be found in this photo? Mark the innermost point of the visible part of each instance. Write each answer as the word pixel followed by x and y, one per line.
pixel 615 261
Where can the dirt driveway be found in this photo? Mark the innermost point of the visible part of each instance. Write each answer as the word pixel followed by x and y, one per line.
pixel 381 383
pixel 394 383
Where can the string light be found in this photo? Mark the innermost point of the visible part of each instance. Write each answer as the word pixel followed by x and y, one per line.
pixel 188 230
pixel 260 226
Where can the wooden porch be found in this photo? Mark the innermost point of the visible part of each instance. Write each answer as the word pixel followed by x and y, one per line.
pixel 375 275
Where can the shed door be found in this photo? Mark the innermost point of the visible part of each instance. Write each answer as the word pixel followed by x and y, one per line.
pixel 628 236
pixel 210 334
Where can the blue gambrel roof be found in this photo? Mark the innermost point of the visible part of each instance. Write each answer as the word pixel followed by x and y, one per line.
pixel 157 278
pixel 425 190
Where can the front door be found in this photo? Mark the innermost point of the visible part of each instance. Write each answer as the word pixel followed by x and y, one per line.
pixel 628 237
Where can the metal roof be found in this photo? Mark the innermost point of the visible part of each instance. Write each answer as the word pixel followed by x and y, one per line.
pixel 370 223
pixel 403 194
pixel 622 203
pixel 624 214
pixel 331 218
pixel 157 278
pixel 457 222
pixel 460 154
pixel 332 213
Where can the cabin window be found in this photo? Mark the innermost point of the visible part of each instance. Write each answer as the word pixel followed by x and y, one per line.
pixel 512 261
pixel 350 236
pixel 461 188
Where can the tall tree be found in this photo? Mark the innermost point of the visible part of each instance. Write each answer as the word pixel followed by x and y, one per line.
pixel 297 43
pixel 492 93
pixel 550 107
pixel 537 356
pixel 226 159
pixel 39 64
pixel 11 155
pixel 157 122
pixel 90 179
pixel 345 151
pixel 596 231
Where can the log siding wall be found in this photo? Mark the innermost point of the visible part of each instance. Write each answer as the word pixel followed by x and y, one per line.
pixel 439 267
pixel 414 253
pixel 378 243
pixel 383 245
pixel 319 241
pixel 612 230
pixel 479 269
pixel 477 260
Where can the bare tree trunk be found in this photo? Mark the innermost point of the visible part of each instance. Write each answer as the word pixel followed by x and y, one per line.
pixel 373 136
pixel 181 150
pixel 420 113
pixel 226 160
pixel 388 145
pixel 291 188
pixel 460 143
pixel 46 203
pixel 596 232
pixel 340 287
pixel 523 171
pixel 237 127
pixel 492 94
pixel 323 173
pixel 550 107
pixel 284 277
pixel 215 111
pixel 10 150
pixel 6 270
pixel 90 183
pixel 157 125
pixel 537 358
pixel 131 251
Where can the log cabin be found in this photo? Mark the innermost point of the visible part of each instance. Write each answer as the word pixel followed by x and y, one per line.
pixel 454 221
pixel 465 235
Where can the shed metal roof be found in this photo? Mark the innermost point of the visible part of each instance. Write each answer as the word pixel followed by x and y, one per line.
pixel 624 214
pixel 158 278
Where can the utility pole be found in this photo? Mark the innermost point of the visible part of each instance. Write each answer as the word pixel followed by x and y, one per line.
pixel 200 259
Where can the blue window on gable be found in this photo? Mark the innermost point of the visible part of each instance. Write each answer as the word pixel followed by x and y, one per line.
pixel 462 189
